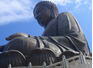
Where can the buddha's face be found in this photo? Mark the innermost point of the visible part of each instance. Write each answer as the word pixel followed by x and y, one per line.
pixel 42 14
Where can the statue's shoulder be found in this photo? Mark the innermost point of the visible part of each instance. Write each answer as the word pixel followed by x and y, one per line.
pixel 63 14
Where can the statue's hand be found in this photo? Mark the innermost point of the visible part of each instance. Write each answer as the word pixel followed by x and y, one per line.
pixel 16 35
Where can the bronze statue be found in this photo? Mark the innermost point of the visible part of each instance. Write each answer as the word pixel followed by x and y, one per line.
pixel 13 57
pixel 62 33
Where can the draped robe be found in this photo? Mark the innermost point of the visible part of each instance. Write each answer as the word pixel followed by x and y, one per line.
pixel 62 34
pixel 66 31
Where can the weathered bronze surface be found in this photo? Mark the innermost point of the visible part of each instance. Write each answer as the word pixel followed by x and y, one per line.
pixel 38 56
pixel 13 57
pixel 62 35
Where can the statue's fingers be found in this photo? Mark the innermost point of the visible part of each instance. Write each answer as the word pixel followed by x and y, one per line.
pixel 16 35
pixel 10 37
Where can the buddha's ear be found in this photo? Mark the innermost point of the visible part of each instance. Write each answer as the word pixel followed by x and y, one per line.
pixel 54 12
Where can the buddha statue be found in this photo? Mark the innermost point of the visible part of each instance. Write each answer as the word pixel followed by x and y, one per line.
pixel 62 34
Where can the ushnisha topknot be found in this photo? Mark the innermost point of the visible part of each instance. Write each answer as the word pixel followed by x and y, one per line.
pixel 53 8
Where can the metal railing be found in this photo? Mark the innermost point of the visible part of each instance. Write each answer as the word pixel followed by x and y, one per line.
pixel 65 63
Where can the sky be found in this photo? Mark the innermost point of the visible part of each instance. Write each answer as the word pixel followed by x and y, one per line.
pixel 17 16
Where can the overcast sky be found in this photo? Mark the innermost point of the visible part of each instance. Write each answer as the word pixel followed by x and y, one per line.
pixel 17 16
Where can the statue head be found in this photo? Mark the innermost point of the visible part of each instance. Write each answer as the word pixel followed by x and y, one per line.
pixel 44 12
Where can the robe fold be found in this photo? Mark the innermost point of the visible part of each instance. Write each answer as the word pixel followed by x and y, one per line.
pixel 66 30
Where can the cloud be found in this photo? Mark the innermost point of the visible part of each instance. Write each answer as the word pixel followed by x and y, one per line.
pixel 86 2
pixel 60 2
pixel 77 1
pixel 14 10
pixel 90 7
pixel 72 5
pixel 75 4
pixel 64 2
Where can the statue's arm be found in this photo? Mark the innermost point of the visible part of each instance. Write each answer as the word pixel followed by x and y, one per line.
pixel 16 35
